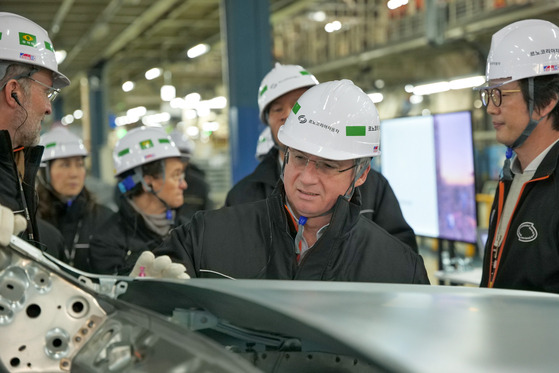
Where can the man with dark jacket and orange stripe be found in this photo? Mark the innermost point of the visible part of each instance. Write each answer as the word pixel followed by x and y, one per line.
pixel 521 95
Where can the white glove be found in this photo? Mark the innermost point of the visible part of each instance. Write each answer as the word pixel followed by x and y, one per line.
pixel 148 265
pixel 10 224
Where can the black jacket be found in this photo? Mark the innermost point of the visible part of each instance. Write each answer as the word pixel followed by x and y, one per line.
pixel 77 223
pixel 530 249
pixel 116 245
pixel 256 240
pixel 10 193
pixel 378 201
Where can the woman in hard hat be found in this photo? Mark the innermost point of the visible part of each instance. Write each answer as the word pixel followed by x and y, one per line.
pixel 150 177
pixel 64 200
pixel 311 227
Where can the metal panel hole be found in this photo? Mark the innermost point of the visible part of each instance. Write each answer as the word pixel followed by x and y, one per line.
pixel 78 307
pixel 14 362
pixel 33 311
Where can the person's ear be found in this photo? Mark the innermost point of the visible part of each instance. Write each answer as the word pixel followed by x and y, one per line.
pixel 363 177
pixel 544 112
pixel 148 182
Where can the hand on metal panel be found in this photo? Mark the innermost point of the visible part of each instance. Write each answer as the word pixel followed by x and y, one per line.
pixel 158 267
pixel 10 223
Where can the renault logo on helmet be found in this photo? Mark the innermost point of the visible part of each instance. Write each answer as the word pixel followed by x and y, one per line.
pixel 302 119
pixel 526 232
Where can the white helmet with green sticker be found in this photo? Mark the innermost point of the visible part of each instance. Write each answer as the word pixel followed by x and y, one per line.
pixel 279 81
pixel 334 120
pixel 140 146
pixel 59 142
pixel 23 41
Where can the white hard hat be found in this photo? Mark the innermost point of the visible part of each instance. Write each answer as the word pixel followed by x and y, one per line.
pixel 264 144
pixel 61 143
pixel 281 80
pixel 334 120
pixel 183 142
pixel 23 41
pixel 140 146
pixel 523 49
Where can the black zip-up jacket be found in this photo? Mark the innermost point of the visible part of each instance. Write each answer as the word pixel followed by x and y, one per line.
pixel 77 222
pixel 378 201
pixel 10 193
pixel 529 258
pixel 45 237
pixel 116 245
pixel 256 240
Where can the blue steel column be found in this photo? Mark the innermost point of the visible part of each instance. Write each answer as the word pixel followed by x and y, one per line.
pixel 98 114
pixel 246 31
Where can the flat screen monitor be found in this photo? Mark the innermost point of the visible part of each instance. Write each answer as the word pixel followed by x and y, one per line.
pixel 429 162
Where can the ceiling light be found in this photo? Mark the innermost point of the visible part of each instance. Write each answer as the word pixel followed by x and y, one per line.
pixel 333 26
pixel 428 89
pixel 376 97
pixel 137 111
pixel 198 50
pixel 192 99
pixel 168 92
pixel 128 86
pixel 153 73
pixel 192 131
pixel 470 82
pixel 78 114
pixel 415 99
pixel 393 4
pixel 60 56
pixel 319 16
pixel 219 102
pixel 67 119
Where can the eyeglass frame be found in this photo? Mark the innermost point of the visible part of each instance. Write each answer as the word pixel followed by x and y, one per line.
pixel 52 93
pixel 489 93
pixel 317 163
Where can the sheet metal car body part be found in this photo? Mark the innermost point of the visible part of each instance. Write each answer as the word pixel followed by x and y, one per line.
pixel 385 327
pixel 52 322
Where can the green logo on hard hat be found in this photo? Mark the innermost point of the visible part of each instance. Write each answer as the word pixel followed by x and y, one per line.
pixel 50 145
pixel 123 152
pixel 146 144
pixel 164 141
pixel 296 108
pixel 49 46
pixel 27 39
pixel 0 36
pixel 355 130
pixel 305 73
pixel 264 89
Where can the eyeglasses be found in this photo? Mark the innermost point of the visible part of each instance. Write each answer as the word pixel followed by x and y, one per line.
pixel 323 167
pixel 496 95
pixel 51 92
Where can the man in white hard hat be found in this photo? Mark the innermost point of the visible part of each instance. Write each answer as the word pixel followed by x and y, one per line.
pixel 278 92
pixel 29 82
pixel 310 227
pixel 521 95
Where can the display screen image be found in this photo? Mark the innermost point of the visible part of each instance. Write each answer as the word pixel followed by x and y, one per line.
pixel 429 162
